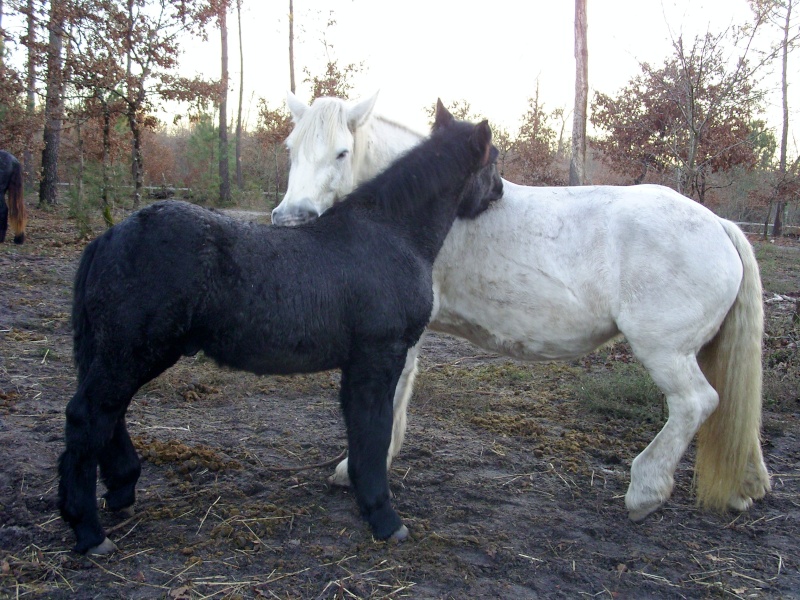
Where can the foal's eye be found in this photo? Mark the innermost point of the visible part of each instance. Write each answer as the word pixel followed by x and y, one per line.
pixel 342 155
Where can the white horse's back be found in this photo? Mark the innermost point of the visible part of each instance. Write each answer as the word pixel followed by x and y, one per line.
pixel 555 272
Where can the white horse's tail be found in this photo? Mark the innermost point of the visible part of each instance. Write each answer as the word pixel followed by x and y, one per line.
pixel 730 470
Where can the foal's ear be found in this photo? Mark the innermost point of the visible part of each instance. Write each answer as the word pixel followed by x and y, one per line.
pixel 443 116
pixel 358 114
pixel 296 106
pixel 481 140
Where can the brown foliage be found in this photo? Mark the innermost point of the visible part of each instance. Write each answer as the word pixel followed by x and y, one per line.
pixel 17 124
pixel 694 115
pixel 274 125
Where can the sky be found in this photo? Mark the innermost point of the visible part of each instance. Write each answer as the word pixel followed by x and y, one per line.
pixel 491 54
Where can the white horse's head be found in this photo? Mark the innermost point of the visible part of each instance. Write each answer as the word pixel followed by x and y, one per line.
pixel 321 148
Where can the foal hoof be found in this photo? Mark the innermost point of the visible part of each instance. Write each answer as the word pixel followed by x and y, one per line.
pixel 104 548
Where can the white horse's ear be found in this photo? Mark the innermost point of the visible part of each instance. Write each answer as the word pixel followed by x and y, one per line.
pixel 357 115
pixel 296 106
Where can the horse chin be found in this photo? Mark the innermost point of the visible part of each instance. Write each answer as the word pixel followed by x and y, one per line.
pixel 293 222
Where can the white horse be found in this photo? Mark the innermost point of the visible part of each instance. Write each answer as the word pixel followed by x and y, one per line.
pixel 553 273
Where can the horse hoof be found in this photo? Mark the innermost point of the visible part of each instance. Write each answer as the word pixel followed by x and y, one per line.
pixel 637 516
pixel 104 548
pixel 340 477
pixel 740 503
pixel 400 535
pixel 127 512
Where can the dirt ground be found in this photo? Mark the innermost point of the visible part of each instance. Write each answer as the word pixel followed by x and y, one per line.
pixel 511 480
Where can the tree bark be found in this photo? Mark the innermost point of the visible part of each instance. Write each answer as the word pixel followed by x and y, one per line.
pixel 224 175
pixel 53 108
pixel 577 165
pixel 239 180
pixel 780 204
pixel 137 170
pixel 2 38
pixel 30 107
pixel 291 46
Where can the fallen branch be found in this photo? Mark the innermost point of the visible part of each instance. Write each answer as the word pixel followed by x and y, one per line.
pixel 327 463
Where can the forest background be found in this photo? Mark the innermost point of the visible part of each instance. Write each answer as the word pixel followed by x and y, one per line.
pixel 84 85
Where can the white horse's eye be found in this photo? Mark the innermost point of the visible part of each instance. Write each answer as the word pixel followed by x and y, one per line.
pixel 343 154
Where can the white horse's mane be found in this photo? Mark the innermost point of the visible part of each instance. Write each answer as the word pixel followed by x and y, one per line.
pixel 326 115
pixel 397 125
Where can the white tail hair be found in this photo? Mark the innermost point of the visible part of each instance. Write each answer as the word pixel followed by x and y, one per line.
pixel 730 470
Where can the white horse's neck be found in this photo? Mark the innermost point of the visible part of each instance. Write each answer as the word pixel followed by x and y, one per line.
pixel 377 144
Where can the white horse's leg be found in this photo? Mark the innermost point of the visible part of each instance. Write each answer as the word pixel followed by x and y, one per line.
pixel 690 399
pixel 402 394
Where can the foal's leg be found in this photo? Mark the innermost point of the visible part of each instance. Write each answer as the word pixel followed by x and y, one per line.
pixel 405 387
pixel 690 399
pixel 368 386
pixel 120 468
pixel 92 417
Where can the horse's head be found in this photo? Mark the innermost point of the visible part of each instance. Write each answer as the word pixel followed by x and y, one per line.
pixel 321 150
pixel 485 184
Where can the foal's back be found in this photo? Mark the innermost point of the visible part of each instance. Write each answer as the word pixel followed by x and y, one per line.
pixel 257 297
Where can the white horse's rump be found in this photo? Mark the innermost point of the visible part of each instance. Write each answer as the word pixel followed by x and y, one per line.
pixel 552 273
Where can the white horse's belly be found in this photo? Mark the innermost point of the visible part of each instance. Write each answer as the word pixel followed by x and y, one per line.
pixel 502 283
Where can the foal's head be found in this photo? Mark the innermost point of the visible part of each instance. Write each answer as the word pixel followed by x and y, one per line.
pixel 484 185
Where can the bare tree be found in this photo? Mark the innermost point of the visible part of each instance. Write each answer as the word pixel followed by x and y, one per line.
pixel 291 46
pixel 779 13
pixel 53 106
pixel 2 37
pixel 239 181
pixel 30 88
pixel 577 165
pixel 224 175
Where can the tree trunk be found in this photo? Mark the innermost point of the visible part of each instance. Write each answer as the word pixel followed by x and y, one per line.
pixel 577 164
pixel 291 46
pixel 239 180
pixel 137 169
pixel 30 107
pixel 53 109
pixel 224 175
pixel 106 149
pixel 2 38
pixel 777 227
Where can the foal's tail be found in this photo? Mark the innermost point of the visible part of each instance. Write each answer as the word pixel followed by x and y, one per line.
pixel 83 342
pixel 730 470
pixel 17 214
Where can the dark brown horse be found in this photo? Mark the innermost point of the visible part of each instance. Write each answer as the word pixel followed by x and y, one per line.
pixel 11 182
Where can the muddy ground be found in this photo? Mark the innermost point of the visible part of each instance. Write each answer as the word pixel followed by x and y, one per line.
pixel 511 480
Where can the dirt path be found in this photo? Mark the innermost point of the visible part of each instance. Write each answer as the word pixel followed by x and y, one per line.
pixel 511 480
